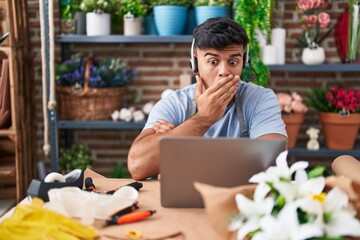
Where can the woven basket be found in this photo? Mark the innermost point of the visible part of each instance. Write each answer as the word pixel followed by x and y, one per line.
pixel 88 103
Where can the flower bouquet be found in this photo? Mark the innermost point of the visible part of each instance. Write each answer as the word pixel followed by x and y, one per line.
pixel 292 111
pixel 91 90
pixel 286 203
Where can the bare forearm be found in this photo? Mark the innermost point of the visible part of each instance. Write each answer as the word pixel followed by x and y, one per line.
pixel 143 159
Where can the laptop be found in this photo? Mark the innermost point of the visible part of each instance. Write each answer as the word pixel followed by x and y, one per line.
pixel 223 162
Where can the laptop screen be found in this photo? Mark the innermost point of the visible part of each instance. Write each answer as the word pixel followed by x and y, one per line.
pixel 222 162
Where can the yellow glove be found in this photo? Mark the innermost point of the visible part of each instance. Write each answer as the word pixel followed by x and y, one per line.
pixel 33 222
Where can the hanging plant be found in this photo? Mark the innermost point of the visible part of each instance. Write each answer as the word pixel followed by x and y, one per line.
pixel 252 15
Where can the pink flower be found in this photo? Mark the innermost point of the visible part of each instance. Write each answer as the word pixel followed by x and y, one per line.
pixel 291 103
pixel 310 20
pixel 317 3
pixel 344 98
pixel 313 17
pixel 324 19
pixel 296 97
pixel 305 4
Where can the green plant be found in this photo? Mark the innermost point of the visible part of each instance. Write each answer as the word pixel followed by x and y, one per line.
pixel 253 15
pixel 76 157
pixel 212 2
pixel 68 8
pixel 171 2
pixel 148 6
pixel 119 171
pixel 106 6
pixel 135 7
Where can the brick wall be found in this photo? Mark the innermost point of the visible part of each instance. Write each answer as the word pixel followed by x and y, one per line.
pixel 159 68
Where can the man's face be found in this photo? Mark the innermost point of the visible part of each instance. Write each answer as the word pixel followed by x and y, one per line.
pixel 215 64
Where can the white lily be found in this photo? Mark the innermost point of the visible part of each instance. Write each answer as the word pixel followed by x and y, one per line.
pixel 333 213
pixel 300 188
pixel 279 172
pixel 252 211
pixel 286 226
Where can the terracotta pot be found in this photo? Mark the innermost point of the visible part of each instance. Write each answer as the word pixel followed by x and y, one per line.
pixel 293 123
pixel 340 132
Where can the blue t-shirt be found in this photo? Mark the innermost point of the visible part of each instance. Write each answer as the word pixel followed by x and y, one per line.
pixel 260 106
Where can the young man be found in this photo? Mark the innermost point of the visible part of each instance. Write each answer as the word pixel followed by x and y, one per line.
pixel 218 105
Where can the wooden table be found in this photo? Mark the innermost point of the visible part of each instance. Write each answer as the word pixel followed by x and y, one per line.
pixel 192 223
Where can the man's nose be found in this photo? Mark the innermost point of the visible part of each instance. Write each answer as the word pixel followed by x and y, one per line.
pixel 224 70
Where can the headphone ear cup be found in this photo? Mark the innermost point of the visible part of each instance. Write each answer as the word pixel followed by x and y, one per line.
pixel 194 64
pixel 195 68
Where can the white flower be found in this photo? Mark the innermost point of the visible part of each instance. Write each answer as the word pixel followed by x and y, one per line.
pixel 299 189
pixel 250 213
pixel 286 226
pixel 333 213
pixel 279 172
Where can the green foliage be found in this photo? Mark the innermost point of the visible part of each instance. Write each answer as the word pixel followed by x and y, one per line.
pixel 68 8
pixel 135 7
pixel 171 2
pixel 119 171
pixel 107 6
pixel 212 2
pixel 317 171
pixel 316 98
pixel 76 157
pixel 252 15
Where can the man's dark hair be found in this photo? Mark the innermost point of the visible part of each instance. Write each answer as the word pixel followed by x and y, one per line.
pixel 218 33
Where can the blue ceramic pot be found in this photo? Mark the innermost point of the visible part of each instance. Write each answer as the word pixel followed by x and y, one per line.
pixel 170 20
pixel 202 13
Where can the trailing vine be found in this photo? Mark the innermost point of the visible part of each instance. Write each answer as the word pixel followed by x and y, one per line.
pixel 252 15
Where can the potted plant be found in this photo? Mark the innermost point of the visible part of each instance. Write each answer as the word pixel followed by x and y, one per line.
pixel 98 16
pixel 339 114
pixel 68 9
pixel 92 89
pixel 292 112
pixel 205 9
pixel 313 20
pixel 170 16
pixel 76 157
pixel 133 12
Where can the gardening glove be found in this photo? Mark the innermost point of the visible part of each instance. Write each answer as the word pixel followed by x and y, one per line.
pixel 33 222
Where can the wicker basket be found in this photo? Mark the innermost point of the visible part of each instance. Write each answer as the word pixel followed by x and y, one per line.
pixel 88 103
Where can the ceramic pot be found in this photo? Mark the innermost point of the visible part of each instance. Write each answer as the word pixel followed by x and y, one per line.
pixel 293 123
pixel 98 24
pixel 202 13
pixel 170 19
pixel 313 55
pixel 133 26
pixel 340 131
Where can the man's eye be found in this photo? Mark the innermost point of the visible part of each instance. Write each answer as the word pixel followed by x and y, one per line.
pixel 213 62
pixel 234 62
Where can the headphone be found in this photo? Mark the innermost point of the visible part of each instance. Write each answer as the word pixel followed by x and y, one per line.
pixel 246 61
